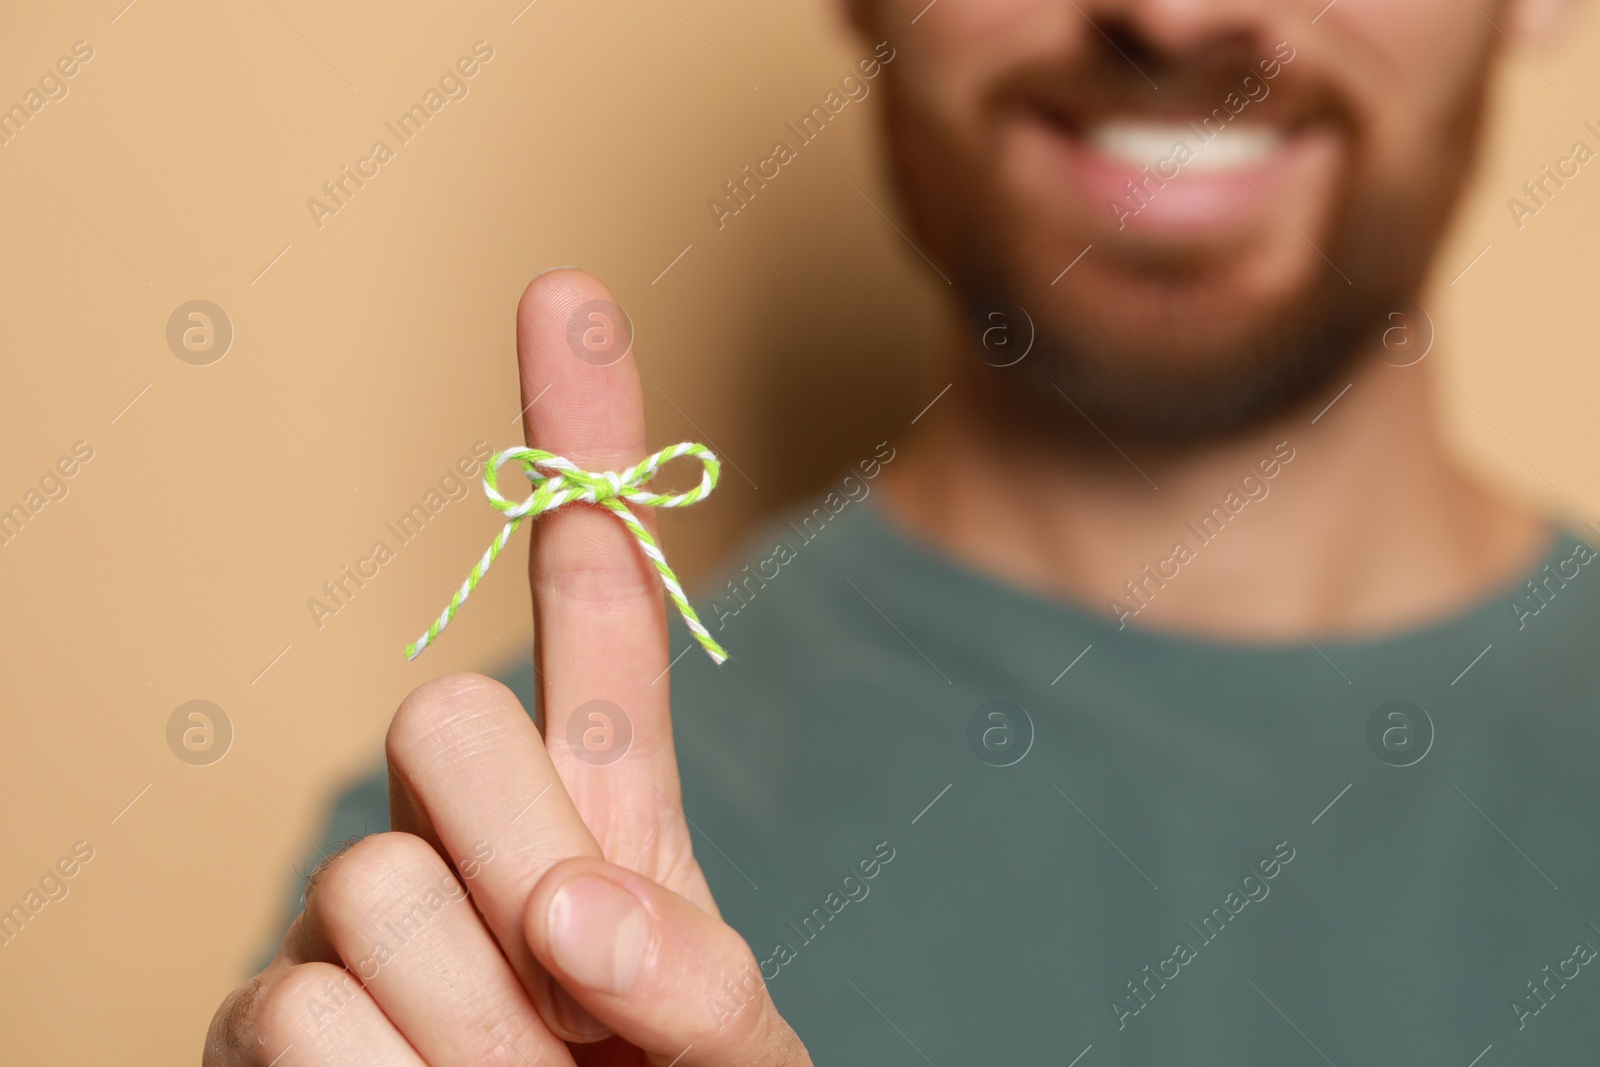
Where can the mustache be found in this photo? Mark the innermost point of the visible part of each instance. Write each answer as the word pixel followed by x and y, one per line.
pixel 1115 73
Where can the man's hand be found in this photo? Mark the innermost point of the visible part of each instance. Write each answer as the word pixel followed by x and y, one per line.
pixel 529 906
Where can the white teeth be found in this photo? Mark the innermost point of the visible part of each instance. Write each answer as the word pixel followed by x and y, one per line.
pixel 1234 147
pixel 1139 143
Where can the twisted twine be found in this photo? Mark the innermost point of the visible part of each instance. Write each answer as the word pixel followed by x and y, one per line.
pixel 558 481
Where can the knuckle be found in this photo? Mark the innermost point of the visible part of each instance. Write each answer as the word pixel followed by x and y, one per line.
pixel 701 974
pixel 456 709
pixel 320 871
pixel 505 1035
pixel 234 1026
pixel 288 1012
pixel 360 880
pixel 615 580
pixel 739 1009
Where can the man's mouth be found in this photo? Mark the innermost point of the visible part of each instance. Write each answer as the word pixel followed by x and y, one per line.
pixel 1182 177
pixel 1238 147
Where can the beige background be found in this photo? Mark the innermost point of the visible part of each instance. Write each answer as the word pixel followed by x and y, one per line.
pixel 373 352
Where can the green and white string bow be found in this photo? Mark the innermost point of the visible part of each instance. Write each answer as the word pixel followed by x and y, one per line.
pixel 558 481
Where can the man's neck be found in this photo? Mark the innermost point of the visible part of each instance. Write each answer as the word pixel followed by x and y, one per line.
pixel 1357 523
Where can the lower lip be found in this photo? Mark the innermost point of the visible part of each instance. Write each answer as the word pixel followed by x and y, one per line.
pixel 1189 203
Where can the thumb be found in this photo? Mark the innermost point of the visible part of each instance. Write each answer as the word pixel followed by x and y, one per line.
pixel 665 976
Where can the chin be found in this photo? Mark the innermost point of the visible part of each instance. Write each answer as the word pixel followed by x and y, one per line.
pixel 1174 364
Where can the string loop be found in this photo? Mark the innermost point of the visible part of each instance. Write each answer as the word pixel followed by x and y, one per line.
pixel 557 481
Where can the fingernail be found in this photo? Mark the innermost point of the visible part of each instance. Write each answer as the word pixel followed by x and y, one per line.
pixel 598 933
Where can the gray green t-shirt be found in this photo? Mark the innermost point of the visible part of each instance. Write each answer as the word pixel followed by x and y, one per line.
pixel 961 823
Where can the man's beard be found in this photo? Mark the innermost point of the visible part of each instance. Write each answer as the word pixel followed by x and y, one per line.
pixel 1188 385
pixel 1216 371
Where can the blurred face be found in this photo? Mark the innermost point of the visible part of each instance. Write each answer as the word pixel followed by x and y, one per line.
pixel 1257 192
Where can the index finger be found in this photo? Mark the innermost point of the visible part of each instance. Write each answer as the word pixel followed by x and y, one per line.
pixel 600 622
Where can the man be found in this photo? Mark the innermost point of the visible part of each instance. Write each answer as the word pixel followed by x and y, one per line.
pixel 1174 698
